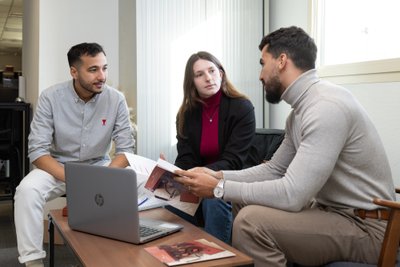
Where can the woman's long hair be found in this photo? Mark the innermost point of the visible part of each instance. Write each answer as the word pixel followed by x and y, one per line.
pixel 191 97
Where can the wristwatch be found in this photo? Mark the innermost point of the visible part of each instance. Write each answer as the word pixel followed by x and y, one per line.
pixel 219 189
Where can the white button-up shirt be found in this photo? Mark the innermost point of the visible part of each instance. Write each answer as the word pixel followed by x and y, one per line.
pixel 67 128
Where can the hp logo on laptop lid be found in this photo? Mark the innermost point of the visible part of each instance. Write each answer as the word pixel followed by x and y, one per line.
pixel 99 199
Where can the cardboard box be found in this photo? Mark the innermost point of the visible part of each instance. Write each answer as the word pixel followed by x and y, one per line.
pixel 54 204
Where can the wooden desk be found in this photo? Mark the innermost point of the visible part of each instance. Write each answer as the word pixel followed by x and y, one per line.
pixel 98 251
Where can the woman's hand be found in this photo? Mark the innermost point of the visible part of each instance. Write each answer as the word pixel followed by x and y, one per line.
pixel 162 156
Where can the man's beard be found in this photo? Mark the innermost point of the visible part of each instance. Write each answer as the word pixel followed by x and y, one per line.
pixel 88 87
pixel 273 90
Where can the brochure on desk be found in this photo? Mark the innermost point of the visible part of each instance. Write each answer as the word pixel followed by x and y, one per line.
pixel 188 252
pixel 156 197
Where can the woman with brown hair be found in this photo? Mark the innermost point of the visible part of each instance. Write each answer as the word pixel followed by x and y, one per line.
pixel 215 125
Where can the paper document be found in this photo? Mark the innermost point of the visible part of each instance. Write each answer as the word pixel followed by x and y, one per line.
pixel 150 202
pixel 157 188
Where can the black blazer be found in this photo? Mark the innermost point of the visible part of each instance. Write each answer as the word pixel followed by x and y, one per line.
pixel 236 128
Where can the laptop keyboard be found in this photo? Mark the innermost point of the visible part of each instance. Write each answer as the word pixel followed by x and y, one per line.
pixel 146 230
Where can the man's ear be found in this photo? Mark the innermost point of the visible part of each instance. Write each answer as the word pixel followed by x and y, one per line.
pixel 73 71
pixel 282 60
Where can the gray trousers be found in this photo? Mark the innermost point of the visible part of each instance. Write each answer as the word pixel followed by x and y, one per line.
pixel 311 237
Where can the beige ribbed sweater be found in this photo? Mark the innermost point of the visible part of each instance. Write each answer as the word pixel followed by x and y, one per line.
pixel 331 152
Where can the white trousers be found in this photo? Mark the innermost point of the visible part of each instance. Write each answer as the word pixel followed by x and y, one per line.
pixel 31 195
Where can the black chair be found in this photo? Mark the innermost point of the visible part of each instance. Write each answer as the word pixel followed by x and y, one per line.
pixel 263 146
pixel 10 153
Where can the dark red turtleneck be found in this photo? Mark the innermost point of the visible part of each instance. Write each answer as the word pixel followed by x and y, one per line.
pixel 209 147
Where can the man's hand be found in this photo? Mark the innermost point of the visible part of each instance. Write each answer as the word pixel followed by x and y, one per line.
pixel 119 161
pixel 199 183
pixel 51 166
pixel 208 171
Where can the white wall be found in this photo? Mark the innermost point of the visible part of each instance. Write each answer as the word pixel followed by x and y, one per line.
pixel 52 27
pixel 30 50
pixel 285 13
pixel 127 52
pixel 380 100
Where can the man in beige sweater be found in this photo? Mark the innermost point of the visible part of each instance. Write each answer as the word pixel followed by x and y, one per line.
pixel 332 157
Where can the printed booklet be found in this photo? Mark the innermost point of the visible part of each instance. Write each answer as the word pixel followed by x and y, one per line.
pixel 188 252
pixel 156 186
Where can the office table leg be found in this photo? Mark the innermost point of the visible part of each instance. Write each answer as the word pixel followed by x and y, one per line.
pixel 51 242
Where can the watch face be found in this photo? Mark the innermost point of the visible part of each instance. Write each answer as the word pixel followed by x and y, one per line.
pixel 218 192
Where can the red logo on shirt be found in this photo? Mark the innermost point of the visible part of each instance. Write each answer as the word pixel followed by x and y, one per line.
pixel 103 121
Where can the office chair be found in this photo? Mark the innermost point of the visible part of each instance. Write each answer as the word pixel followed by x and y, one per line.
pixel 9 151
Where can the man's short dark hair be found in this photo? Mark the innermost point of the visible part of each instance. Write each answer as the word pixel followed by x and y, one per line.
pixel 90 49
pixel 294 42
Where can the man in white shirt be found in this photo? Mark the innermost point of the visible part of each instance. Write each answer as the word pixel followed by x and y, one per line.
pixel 74 121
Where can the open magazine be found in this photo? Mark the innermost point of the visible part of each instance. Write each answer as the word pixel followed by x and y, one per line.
pixel 188 252
pixel 156 186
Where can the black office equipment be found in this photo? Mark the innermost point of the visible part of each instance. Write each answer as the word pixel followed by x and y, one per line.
pixel 8 95
pixel 14 129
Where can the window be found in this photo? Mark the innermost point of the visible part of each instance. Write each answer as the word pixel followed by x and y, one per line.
pixel 357 39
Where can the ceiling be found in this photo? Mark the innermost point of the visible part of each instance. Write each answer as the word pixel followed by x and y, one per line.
pixel 10 27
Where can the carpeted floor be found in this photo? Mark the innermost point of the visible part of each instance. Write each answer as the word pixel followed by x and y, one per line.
pixel 8 244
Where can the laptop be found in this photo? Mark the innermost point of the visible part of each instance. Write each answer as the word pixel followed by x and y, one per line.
pixel 103 201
